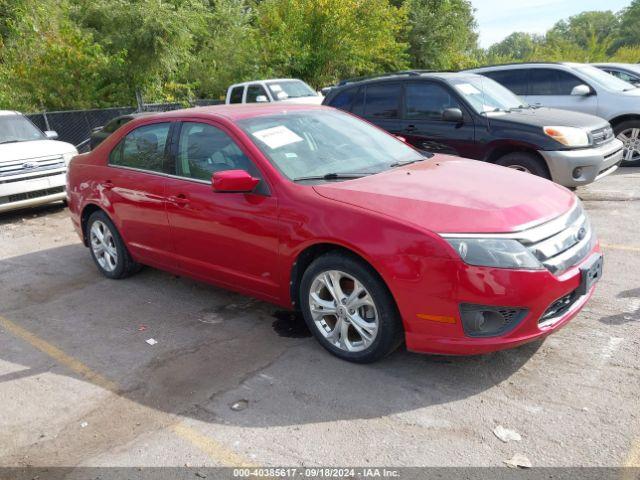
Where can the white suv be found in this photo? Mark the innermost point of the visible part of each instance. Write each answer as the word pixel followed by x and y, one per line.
pixel 33 164
pixel 579 87
pixel 287 90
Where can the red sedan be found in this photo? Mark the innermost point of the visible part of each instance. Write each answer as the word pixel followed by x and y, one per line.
pixel 313 209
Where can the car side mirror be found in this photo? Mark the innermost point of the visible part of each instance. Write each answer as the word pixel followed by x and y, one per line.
pixel 233 181
pixel 581 90
pixel 452 115
pixel 51 135
pixel 262 99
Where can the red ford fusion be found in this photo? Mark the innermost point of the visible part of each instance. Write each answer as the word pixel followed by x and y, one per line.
pixel 313 209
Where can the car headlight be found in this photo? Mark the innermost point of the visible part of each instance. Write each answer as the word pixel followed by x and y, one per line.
pixel 68 156
pixel 569 136
pixel 494 252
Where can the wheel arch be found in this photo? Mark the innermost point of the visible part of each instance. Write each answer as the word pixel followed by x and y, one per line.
pixel 624 118
pixel 500 150
pixel 88 210
pixel 306 256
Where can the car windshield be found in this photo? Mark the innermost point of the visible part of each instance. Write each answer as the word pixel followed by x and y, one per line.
pixel 604 79
pixel 486 95
pixel 281 90
pixel 318 143
pixel 16 128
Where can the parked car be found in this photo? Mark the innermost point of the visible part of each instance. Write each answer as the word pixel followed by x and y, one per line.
pixel 288 90
pixel 627 72
pixel 314 209
pixel 32 163
pixel 99 134
pixel 471 116
pixel 581 88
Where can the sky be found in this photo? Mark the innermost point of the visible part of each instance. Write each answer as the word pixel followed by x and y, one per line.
pixel 498 18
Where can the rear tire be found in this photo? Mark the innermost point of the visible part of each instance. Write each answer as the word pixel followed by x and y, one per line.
pixel 107 248
pixel 629 133
pixel 525 162
pixel 349 309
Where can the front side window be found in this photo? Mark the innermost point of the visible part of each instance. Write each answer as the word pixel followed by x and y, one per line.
pixel 547 81
pixel 204 149
pixel 16 128
pixel 383 101
pixel 344 99
pixel 236 95
pixel 255 91
pixel 515 80
pixel 143 148
pixel 427 101
pixel 320 142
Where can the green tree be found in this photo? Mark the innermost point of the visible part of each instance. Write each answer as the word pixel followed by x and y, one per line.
pixel 585 37
pixel 629 30
pixel 322 41
pixel 442 34
pixel 517 46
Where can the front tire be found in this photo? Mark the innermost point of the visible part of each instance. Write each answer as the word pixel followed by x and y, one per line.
pixel 107 248
pixel 349 309
pixel 525 162
pixel 629 133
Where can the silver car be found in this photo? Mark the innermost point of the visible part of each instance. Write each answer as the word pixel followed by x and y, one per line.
pixel 578 87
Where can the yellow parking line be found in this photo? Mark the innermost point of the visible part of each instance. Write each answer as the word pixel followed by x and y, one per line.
pixel 217 451
pixel 613 246
pixel 633 460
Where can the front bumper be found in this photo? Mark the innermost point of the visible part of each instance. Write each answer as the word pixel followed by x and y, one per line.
pixel 594 163
pixel 535 291
pixel 30 191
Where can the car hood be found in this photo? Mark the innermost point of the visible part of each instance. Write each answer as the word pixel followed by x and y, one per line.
pixel 544 117
pixel 451 195
pixel 11 152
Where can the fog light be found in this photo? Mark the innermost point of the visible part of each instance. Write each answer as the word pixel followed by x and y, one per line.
pixel 577 172
pixel 489 321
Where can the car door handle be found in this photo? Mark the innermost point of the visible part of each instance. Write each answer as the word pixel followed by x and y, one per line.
pixel 107 185
pixel 180 200
pixel 411 128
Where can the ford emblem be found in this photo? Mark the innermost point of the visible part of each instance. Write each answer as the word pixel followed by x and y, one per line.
pixel 581 234
pixel 30 165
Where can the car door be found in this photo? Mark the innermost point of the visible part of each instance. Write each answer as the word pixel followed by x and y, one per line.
pixel 133 186
pixel 380 103
pixel 423 125
pixel 227 238
pixel 552 88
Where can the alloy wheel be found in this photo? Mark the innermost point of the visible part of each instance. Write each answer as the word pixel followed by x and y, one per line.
pixel 343 311
pixel 631 139
pixel 103 246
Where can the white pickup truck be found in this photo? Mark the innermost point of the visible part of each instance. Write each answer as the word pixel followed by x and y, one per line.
pixel 287 90
pixel 33 165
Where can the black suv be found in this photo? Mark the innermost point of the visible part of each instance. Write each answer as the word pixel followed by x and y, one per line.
pixel 472 116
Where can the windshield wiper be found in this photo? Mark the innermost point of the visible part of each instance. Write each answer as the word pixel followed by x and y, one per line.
pixel 10 141
pixel 408 162
pixel 332 176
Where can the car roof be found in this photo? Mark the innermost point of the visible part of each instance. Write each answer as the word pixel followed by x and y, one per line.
pixel 238 111
pixel 265 80
pixel 406 76
pixel 507 66
pixel 9 112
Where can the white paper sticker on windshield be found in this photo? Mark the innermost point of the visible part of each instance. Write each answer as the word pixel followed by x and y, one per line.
pixel 275 87
pixel 467 89
pixel 277 137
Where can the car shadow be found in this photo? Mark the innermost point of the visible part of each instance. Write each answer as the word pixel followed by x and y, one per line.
pixel 625 317
pixel 214 348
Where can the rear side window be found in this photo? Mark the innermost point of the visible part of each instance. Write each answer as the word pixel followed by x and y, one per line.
pixel 383 101
pixel 236 95
pixel 426 100
pixel 547 81
pixel 344 99
pixel 515 80
pixel 623 76
pixel 255 91
pixel 143 148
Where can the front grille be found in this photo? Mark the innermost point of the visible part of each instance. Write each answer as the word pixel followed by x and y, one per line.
pixel 21 167
pixel 560 243
pixel 602 135
pixel 559 307
pixel 29 195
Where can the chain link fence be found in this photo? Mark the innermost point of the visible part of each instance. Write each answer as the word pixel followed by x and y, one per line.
pixel 75 126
